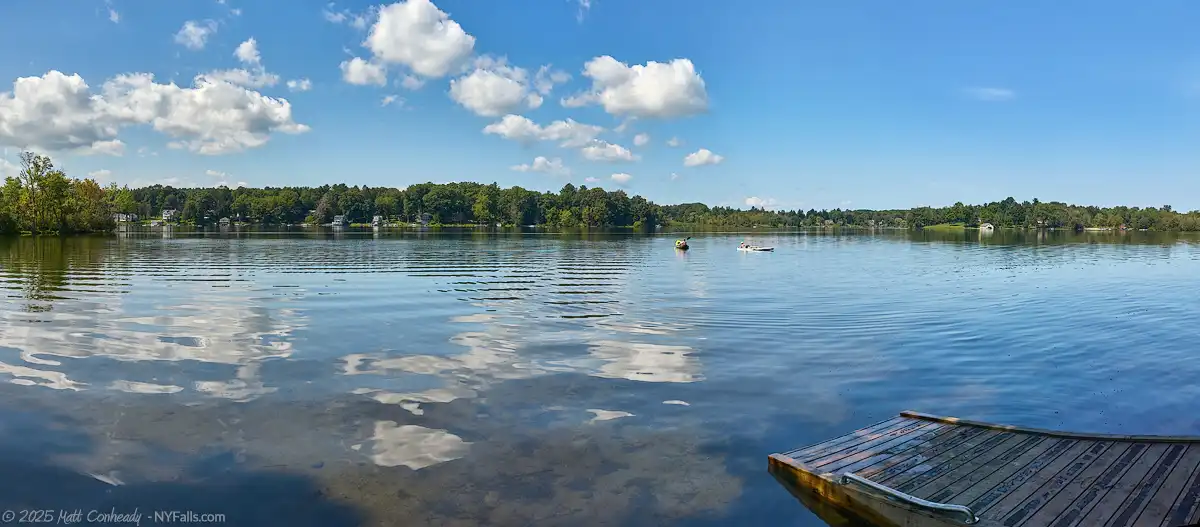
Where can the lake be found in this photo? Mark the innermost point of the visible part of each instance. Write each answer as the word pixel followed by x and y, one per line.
pixel 422 378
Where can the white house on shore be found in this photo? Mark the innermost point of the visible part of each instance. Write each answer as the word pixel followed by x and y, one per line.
pixel 339 221
pixel 170 214
pixel 986 227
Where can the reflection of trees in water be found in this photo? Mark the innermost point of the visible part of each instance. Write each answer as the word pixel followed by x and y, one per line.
pixel 42 267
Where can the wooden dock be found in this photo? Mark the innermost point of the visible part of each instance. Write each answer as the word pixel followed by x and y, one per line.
pixel 919 469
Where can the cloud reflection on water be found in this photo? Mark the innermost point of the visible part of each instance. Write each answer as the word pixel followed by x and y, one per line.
pixel 645 362
pixel 219 326
pixel 413 446
pixel 29 377
pixel 394 410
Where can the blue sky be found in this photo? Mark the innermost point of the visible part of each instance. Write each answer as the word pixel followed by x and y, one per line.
pixel 795 104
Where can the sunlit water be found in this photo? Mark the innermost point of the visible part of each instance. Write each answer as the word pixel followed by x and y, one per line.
pixel 456 379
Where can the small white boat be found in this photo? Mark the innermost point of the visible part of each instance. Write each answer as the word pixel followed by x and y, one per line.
pixel 755 248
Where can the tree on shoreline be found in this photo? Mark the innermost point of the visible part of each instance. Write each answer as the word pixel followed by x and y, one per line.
pixel 41 199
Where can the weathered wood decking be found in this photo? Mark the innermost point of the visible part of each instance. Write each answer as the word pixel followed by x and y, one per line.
pixel 1007 476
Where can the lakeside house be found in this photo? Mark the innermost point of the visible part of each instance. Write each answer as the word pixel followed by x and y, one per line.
pixel 377 220
pixel 122 217
pixel 339 221
pixel 224 222
pixel 424 218
pixel 170 214
pixel 986 227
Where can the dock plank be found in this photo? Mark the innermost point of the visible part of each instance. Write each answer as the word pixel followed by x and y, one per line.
pixel 1014 509
pixel 1010 476
pixel 852 440
pixel 997 468
pixel 1014 480
pixel 1107 505
pixel 951 462
pixel 802 452
pixel 1138 499
pixel 1159 507
pixel 1187 507
pixel 897 465
pixel 897 446
pixel 1055 506
pixel 955 481
pixel 896 479
pixel 1028 480
pixel 869 444
pixel 1096 490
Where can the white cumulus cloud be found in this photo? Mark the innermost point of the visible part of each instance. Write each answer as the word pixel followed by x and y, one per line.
pixel 674 142
pixel 568 133
pixel 418 35
pixel 391 99
pixel 546 79
pixel 100 176
pixel 412 82
pixel 243 77
pixel 761 203
pixel 256 76
pixel 656 89
pixel 641 139
pixel 542 164
pixel 345 16
pixel 194 34
pixel 247 52
pixel 360 72
pixel 112 147
pixel 222 179
pixel 621 178
pixel 607 152
pixel 494 88
pixel 702 157
pixel 299 85
pixel 59 112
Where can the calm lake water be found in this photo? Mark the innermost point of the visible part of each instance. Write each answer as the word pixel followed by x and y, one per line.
pixel 515 379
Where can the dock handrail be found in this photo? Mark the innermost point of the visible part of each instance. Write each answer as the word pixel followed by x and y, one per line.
pixel 968 515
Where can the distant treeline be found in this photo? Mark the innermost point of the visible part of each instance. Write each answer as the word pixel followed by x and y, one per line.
pixel 1008 213
pixel 43 199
